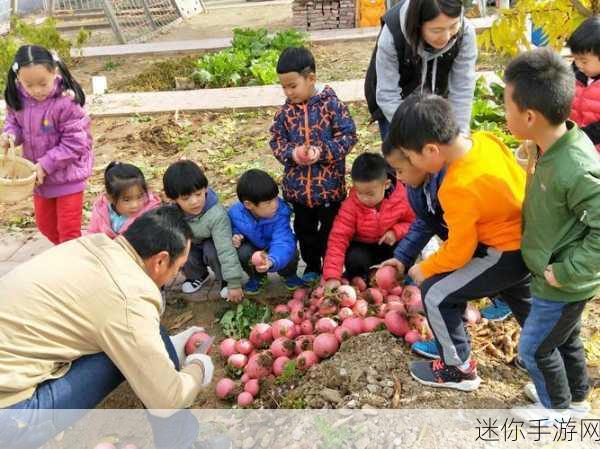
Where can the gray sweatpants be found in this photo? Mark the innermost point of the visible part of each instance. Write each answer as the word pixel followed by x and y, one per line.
pixel 202 255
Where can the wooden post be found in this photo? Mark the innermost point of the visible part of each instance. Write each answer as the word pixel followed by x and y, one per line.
pixel 114 23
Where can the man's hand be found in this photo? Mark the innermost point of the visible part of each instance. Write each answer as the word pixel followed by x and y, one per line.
pixel 235 295
pixel 205 362
pixel 332 284
pixel 236 240
pixel 179 340
pixel 40 174
pixel 550 278
pixel 389 238
pixel 393 262
pixel 416 274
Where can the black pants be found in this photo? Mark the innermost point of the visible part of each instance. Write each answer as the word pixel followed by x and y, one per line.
pixel 361 256
pixel 245 252
pixel 312 226
pixel 202 255
pixel 490 273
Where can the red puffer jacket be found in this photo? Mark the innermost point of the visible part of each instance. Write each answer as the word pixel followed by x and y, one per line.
pixel 586 107
pixel 357 222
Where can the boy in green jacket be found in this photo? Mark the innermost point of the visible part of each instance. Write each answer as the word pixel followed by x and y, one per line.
pixel 561 232
pixel 185 183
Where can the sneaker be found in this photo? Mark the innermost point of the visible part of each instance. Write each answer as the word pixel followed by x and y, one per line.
pixel 578 408
pixel 293 283
pixel 190 286
pixel 311 278
pixel 497 311
pixel 539 416
pixel 215 442
pixel 426 348
pixel 255 285
pixel 438 374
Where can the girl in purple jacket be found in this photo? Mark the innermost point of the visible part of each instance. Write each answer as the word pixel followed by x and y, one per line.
pixel 54 130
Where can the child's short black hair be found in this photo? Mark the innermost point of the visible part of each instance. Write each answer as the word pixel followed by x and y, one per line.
pixel 369 167
pixel 422 119
pixel 586 38
pixel 256 186
pixel 183 178
pixel 120 176
pixel 296 59
pixel 544 82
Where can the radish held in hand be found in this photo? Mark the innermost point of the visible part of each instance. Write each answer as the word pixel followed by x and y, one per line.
pixel 245 399
pixel 237 361
pixel 225 388
pixel 359 283
pixel 306 359
pixel 261 335
pixel 227 347
pixel 372 323
pixel 283 347
pixel 396 323
pixel 412 337
pixel 284 328
pixel 325 345
pixel 244 346
pixel 386 277
pixel 252 387
pixel 195 340
pixel 259 258
pixel 325 325
pixel 279 365
pixel 306 155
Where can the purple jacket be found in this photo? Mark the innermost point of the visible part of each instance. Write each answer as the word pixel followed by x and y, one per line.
pixel 56 133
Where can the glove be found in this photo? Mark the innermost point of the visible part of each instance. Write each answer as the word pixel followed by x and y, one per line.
pixel 207 365
pixel 179 340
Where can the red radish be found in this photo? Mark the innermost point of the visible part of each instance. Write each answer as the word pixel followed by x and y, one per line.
pixel 372 323
pixel 306 327
pixel 318 292
pixel 259 365
pixel 227 347
pixel 244 346
pixel 393 298
pixel 347 292
pixel 361 308
pixel 342 333
pixel 252 387
pixel 325 345
pixel 373 296
pixel 359 283
pixel 396 323
pixel 325 325
pixel 284 328
pixel 195 340
pixel 386 277
pixel 105 446
pixel 225 388
pixel 382 309
pixel 397 291
pixel 295 304
pixel 299 295
pixel 304 343
pixel 282 309
pixel 254 352
pixel 279 365
pixel 245 378
pixel 345 312
pixel 297 329
pixel 399 306
pixel 306 155
pixel 354 325
pixel 261 335
pixel 297 316
pixel 472 315
pixel 328 307
pixel 283 347
pixel 244 399
pixel 344 281
pixel 237 361
pixel 306 359
pixel 258 258
pixel 412 299
pixel 412 336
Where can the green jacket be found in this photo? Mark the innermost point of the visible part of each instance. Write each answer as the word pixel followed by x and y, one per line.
pixel 213 223
pixel 561 219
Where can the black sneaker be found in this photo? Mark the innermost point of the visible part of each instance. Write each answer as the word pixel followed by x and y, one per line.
pixel 438 374
pixel 190 286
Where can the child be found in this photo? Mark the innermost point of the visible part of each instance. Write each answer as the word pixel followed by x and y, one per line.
pixel 481 196
pixel 55 133
pixel 261 224
pixel 125 199
pixel 373 218
pixel 561 232
pixel 185 184
pixel 585 47
pixel 312 135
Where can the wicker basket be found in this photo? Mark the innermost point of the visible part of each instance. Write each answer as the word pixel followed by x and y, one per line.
pixel 17 177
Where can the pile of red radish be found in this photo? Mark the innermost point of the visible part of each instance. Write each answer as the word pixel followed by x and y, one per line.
pixel 312 326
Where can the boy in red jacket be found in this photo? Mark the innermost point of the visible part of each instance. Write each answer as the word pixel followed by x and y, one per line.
pixel 372 220
pixel 585 47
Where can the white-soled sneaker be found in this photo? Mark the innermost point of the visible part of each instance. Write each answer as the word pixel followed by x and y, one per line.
pixel 578 409
pixel 190 286
pixel 536 414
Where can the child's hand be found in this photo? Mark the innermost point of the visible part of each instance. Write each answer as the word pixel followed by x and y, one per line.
pixel 416 274
pixel 5 141
pixel 550 279
pixel 236 240
pixel 389 238
pixel 299 149
pixel 332 284
pixel 40 174
pixel 265 262
pixel 235 295
pixel 393 262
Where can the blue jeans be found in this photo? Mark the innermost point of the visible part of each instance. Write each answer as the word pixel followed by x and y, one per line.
pixel 553 353
pixel 89 380
pixel 384 127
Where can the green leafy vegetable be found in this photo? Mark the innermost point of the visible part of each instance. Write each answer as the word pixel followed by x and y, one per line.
pixel 236 323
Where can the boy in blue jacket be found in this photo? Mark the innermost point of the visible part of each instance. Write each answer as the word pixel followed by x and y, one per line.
pixel 262 233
